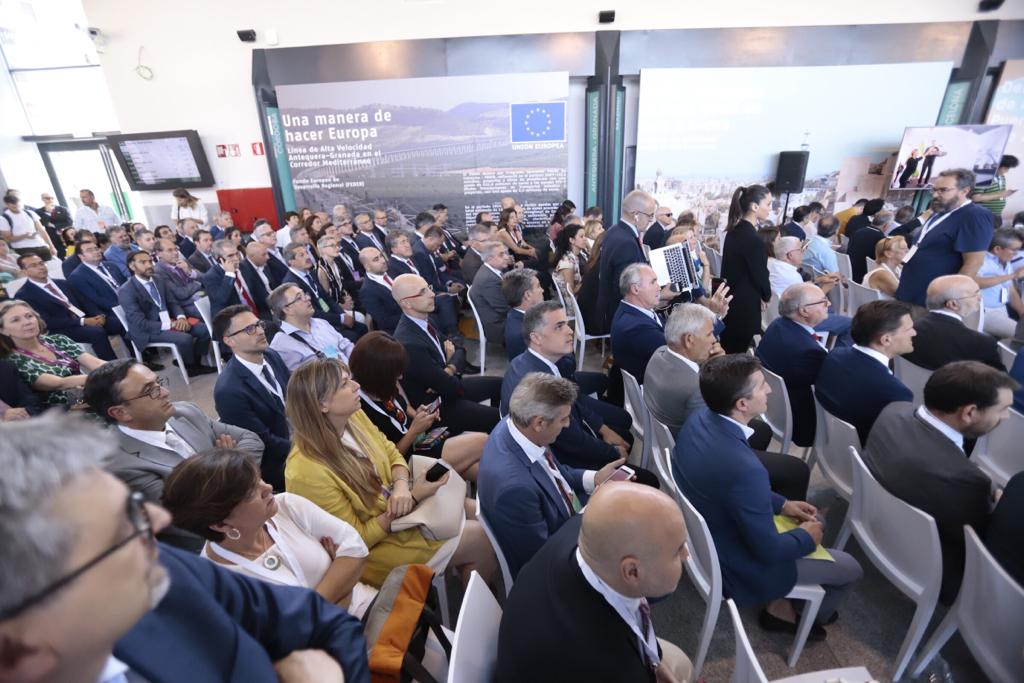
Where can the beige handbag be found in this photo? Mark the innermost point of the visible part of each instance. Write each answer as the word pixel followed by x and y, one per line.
pixel 440 516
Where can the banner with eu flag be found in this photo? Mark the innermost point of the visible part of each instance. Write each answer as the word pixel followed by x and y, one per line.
pixel 537 122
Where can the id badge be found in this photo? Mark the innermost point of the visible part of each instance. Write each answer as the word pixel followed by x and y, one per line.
pixel 331 351
pixel 165 319
pixel 1004 295
pixel 910 254
pixel 323 305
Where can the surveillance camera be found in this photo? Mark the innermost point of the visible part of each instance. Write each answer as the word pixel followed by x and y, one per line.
pixel 247 35
pixel 94 32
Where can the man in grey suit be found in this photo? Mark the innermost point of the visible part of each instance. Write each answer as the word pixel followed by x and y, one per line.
pixel 202 258
pixel 181 281
pixel 490 303
pixel 471 262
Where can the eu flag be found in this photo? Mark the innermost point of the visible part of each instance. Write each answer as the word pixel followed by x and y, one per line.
pixel 537 122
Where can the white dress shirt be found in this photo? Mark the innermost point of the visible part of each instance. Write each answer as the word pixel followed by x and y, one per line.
pixel 89 219
pixel 877 355
pixel 262 275
pixel 257 370
pixel 551 366
pixel 104 274
pixel 54 292
pixel 781 275
pixel 747 431
pixel 649 313
pixel 956 437
pixel 535 453
pixel 493 269
pixel 113 671
pixel 689 363
pixel 379 279
pixel 198 212
pixel 159 439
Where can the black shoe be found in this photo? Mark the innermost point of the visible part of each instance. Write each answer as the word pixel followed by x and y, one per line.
pixel 470 369
pixel 153 365
pixel 770 622
pixel 195 370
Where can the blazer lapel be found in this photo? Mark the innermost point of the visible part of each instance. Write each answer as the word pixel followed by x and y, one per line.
pixel 189 433
pixel 164 457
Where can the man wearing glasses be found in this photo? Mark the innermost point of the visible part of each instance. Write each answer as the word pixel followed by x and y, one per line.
pixel 622 247
pixel 658 232
pixel 88 595
pixel 303 336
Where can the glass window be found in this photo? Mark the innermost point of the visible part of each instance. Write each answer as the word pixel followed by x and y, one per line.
pixel 45 33
pixel 61 101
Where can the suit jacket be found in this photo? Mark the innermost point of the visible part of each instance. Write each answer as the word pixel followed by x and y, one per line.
pixel 13 390
pixel 97 294
pixel 427 264
pixel 555 627
pixel 186 246
pixel 71 262
pixel 333 314
pixel 242 400
pixel 656 235
pixel 855 387
pixel 56 316
pixel 221 289
pixel 521 503
pixel 918 464
pixel 398 266
pixel 182 288
pixel 635 338
pixel 790 352
pixel 352 250
pixel 380 305
pixel 199 261
pixel 671 389
pixel 275 268
pixel 794 229
pixel 257 290
pixel 720 475
pixel 213 627
pixel 943 339
pixel 364 241
pixel 426 366
pixel 514 342
pixel 856 224
pixel 143 466
pixel 142 313
pixel 1017 372
pixel 861 247
pixel 491 305
pixel 471 263
pixel 577 445
pixel 620 249
pixel 745 266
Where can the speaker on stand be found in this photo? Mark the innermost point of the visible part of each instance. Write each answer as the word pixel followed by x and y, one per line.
pixel 789 175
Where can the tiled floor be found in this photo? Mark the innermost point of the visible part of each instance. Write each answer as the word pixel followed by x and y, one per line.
pixel 873 620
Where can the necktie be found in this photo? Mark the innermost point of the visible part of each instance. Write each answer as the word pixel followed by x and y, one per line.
pixel 57 294
pixel 645 628
pixel 245 296
pixel 387 279
pixel 432 331
pixel 209 257
pixel 312 283
pixel 153 292
pixel 568 494
pixel 177 444
pixel 269 376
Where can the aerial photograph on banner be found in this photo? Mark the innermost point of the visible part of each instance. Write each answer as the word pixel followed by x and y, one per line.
pixel 927 152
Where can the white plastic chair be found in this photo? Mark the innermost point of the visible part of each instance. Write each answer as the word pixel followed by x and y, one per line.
pixel 119 312
pixel 748 670
pixel 870 263
pixel 506 573
pixel 771 312
pixel 203 306
pixel 714 262
pixel 1000 453
pixel 14 285
pixel 638 411
pixel 859 295
pixel 475 646
pixel 846 270
pixel 832 442
pixel 580 336
pixel 779 415
pixel 662 445
pixel 479 329
pixel 903 543
pixel 1007 355
pixel 988 612
pixel 913 376
pixel 706 574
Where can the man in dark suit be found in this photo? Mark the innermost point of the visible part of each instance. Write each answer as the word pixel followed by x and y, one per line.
pixel 380 227
pixel 433 269
pixel 621 247
pixel 719 474
pixel 153 316
pixel 17 400
pixel 637 330
pixel 202 259
pixel 657 234
pixel 257 277
pixel 473 259
pixel 300 272
pixel 863 219
pixel 367 236
pixel 96 283
pixel 276 267
pixel 146 611
pixel 795 227
pixel 401 263
pixel 597 431
pixel 855 383
pixel 918 455
pixel 185 238
pixel 174 273
pixel 436 365
pixel 223 282
pixel 862 245
pixel 251 389
pixel 486 290
pixel 521 290
pixel 375 294
pixel 793 350
pixel 526 492
pixel 74 260
pixel 942 335
pixel 579 610
pixel 60 307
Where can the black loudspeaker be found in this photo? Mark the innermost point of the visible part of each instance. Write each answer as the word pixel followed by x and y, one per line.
pixel 606 16
pixel 789 177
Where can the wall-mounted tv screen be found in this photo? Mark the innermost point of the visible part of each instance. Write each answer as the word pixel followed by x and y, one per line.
pixel 926 152
pixel 162 161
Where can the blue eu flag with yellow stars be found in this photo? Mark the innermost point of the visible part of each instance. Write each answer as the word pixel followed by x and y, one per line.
pixel 538 121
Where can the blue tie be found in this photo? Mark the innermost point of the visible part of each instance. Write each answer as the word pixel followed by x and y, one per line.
pixel 151 286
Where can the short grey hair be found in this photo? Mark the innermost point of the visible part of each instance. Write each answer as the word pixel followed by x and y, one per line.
pixel 396 235
pixel 965 178
pixel 289 250
pixel 1005 237
pixel 882 218
pixel 479 232
pixel 540 394
pixel 637 201
pixel 324 240
pixel 793 298
pixel 946 288
pixel 292 232
pixel 219 246
pixel 491 248
pixel 278 295
pixel 516 283
pixel 40 457
pixel 784 245
pixel 687 319
pixel 261 229
pixel 631 276
pixel 534 318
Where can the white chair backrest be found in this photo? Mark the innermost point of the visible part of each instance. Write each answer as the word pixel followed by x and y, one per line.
pixel 635 405
pixel 506 573
pixel 747 669
pixel 476 316
pixel 14 285
pixel 859 294
pixel 661 446
pixel 870 263
pixel 779 415
pixel 1007 355
pixel 702 564
pixel 834 455
pixel 475 646
pixel 203 306
pixel 573 311
pixel 913 376
pixel 1000 453
pixel 902 541
pixel 845 268
pixel 772 312
pixel 714 262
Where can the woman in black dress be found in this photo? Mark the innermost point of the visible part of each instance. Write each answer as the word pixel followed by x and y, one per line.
pixel 745 267
pixel 377 363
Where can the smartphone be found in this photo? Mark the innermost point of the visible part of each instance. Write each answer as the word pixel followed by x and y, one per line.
pixel 621 473
pixel 432 407
pixel 436 472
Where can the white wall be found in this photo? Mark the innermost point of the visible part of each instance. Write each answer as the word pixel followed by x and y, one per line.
pixel 202 73
pixel 20 163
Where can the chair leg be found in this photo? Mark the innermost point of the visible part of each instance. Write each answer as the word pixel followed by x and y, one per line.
pixel 483 355
pixel 707 630
pixel 806 620
pixel 441 584
pixel 579 356
pixel 181 363
pixel 922 615
pixel 945 629
pixel 844 533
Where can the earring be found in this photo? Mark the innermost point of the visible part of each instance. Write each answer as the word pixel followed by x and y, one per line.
pixel 233 534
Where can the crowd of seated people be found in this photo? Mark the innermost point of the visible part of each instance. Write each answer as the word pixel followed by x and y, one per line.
pixel 344 340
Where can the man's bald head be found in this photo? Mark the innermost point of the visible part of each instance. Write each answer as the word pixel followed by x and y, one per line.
pixel 638 200
pixel 804 303
pixel 407 285
pixel 957 293
pixel 634 538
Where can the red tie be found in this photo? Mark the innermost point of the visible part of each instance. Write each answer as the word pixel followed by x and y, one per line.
pixel 561 486
pixel 387 279
pixel 245 296
pixel 57 294
pixel 432 331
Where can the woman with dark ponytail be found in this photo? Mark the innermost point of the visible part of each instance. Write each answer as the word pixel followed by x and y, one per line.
pixel 745 267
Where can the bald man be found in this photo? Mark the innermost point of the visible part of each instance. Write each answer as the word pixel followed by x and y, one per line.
pixel 579 609
pixel 375 294
pixel 436 364
pixel 943 336
pixel 622 247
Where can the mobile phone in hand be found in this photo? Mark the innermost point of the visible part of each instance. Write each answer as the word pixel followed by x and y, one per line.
pixel 434 405
pixel 622 473
pixel 436 472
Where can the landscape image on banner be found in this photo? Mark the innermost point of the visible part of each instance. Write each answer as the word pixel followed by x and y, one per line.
pixel 927 152
pixel 406 144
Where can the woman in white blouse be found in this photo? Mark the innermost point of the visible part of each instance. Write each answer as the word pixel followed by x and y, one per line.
pixel 889 254
pixel 283 538
pixel 187 206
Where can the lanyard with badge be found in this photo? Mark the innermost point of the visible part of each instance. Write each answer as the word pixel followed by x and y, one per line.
pixel 271 563
pixel 930 224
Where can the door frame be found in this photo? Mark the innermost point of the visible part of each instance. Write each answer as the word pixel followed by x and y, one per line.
pixel 98 144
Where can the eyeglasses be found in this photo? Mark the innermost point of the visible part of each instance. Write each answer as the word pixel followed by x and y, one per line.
pixel 818 303
pixel 142 525
pixel 154 391
pixel 429 289
pixel 974 295
pixel 297 299
pixel 642 213
pixel 249 329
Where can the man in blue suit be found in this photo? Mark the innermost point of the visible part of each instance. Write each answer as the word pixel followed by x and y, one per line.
pixel 637 330
pixel 94 280
pixel 720 475
pixel 375 294
pixel 522 291
pixel 63 311
pixel 596 430
pixel 792 349
pixel 855 383
pixel 250 391
pixel 223 282
pixel 99 600
pixel 525 493
pixel 622 246
pixel 302 273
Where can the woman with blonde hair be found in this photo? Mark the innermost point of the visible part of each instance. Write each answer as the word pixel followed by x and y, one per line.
pixel 343 463
pixel 889 254
pixel 186 205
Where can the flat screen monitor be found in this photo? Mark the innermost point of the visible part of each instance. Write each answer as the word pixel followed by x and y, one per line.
pixel 162 161
pixel 926 152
